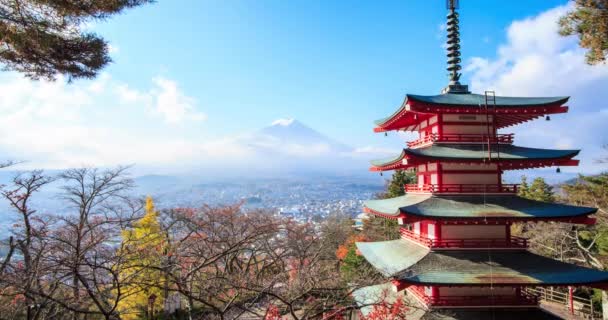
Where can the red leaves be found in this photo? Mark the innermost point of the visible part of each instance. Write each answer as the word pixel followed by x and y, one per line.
pixel 388 311
pixel 350 242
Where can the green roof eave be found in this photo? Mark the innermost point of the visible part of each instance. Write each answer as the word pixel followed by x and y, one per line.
pixel 445 151
pixel 474 207
pixel 497 268
pixel 389 160
pixel 391 257
pixel 476 100
pixel 480 151
pixel 472 100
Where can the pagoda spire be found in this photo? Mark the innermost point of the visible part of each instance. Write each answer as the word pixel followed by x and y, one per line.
pixel 453 48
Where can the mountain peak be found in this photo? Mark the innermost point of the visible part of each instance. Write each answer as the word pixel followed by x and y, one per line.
pixel 283 122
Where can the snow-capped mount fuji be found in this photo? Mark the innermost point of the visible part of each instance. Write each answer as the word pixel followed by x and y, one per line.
pixel 290 132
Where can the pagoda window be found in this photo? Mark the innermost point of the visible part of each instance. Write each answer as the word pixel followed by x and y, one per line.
pixel 416 227
pixel 433 119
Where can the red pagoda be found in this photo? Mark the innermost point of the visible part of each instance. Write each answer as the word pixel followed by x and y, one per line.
pixel 456 251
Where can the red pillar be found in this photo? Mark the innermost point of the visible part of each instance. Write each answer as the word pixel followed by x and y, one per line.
pixel 571 299
pixel 434 293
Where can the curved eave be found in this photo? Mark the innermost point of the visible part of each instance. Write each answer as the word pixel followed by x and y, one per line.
pixel 488 208
pixel 391 163
pixel 391 257
pixel 518 109
pixel 482 268
pixel 477 152
pixel 508 156
pixel 474 101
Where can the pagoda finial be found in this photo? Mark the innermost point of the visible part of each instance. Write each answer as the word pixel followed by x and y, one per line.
pixel 453 47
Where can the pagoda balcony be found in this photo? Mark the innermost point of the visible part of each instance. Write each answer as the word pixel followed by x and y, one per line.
pixel 462 138
pixel 523 299
pixel 462 188
pixel 472 243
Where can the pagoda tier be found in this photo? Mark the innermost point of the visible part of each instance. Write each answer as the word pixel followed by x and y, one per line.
pixel 508 111
pixel 505 157
pixel 408 263
pixel 475 209
pixel 452 271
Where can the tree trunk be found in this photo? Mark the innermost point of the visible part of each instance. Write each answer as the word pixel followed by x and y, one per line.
pixel 604 305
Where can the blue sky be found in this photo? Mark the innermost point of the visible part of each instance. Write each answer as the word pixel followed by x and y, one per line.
pixel 189 76
pixel 336 65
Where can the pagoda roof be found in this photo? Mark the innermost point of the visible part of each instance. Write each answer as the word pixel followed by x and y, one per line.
pixel 510 110
pixel 417 206
pixel 391 257
pixel 472 152
pixel 472 267
pixel 494 314
pixel 473 100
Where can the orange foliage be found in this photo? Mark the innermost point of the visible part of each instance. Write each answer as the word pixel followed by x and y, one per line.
pixel 350 242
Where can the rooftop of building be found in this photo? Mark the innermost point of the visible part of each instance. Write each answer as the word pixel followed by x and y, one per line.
pixel 411 263
pixel 473 152
pixel 474 207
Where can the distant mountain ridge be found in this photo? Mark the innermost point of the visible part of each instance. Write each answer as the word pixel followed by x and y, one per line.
pixel 292 131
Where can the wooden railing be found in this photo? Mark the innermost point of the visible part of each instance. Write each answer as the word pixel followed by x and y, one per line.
pixel 462 188
pixel 499 243
pixel 582 307
pixel 465 138
pixel 496 300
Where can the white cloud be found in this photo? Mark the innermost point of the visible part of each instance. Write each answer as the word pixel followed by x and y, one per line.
pixel 172 104
pixel 537 61
pixel 98 123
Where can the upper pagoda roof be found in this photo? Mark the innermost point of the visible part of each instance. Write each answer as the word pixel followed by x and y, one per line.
pixel 509 110
pixel 473 100
pixel 471 267
pixel 473 152
pixel 490 207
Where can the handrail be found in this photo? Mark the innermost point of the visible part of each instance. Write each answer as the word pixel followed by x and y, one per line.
pixel 582 306
pixel 462 188
pixel 457 137
pixel 500 243
pixel 496 300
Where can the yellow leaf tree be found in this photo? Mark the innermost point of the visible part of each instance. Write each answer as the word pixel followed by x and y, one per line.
pixel 143 249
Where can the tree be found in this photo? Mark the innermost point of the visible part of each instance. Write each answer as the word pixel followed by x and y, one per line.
pixel 83 251
pixel 539 190
pixel 143 249
pixel 24 278
pixel 45 38
pixel 396 186
pixel 589 21
pixel 351 262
